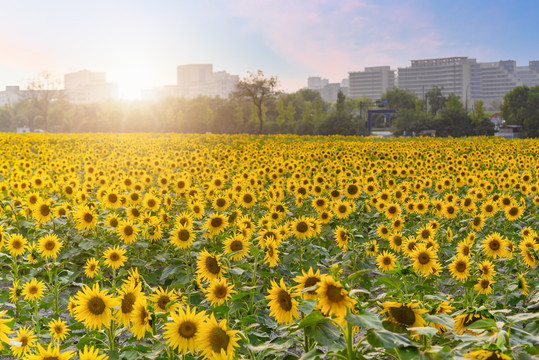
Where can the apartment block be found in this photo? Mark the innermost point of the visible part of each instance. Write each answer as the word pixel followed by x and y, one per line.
pixel 371 83
pixel 200 79
pixel 84 86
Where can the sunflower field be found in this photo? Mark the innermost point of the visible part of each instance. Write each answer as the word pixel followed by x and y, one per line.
pixel 168 246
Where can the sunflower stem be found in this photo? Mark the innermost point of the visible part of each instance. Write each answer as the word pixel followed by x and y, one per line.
pixel 349 342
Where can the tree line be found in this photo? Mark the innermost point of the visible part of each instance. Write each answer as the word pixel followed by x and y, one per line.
pixel 258 109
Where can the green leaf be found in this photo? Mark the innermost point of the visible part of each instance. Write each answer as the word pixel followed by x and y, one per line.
pixel 313 318
pixel 522 317
pixel 483 324
pixel 389 283
pixel 387 339
pixel 424 330
pixel 312 355
pixel 443 319
pixel 326 334
pixel 364 319
pixel 130 355
pixel 307 306
pixel 168 271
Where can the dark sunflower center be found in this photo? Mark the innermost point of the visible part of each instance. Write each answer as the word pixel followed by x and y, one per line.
pixel 163 301
pixel 513 211
pixel 461 266
pixel 489 208
pixel 151 203
pixel 465 250
pixel 397 240
pixel 477 221
pixel 187 329
pixel 96 306
pixel 92 267
pixel 44 210
pixel 113 198
pixel 16 244
pixel 220 202
pixel 220 292
pixel 184 235
pixel 353 189
pixel 88 217
pixel 423 258
pixel 212 265
pixel 114 256
pixel 342 209
pixel 285 301
pixel 450 210
pixel 386 260
pixel 311 281
pixel 302 227
pixel 50 245
pixel 135 212
pixel 32 290
pixel 425 234
pixel 219 340
pixel 58 329
pixel 114 222
pixel 403 315
pixel 271 251
pixel 236 245
pixel 216 222
pixel 128 302
pixel 320 202
pixel 128 230
pixel 494 245
pixel 392 210
pixel 247 198
pixel 485 283
pixel 334 294
pixel 24 341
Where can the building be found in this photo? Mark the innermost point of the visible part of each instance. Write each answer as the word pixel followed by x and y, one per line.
pixel 200 79
pixel 371 83
pixel 453 75
pixel 328 91
pixel 11 95
pixel 88 87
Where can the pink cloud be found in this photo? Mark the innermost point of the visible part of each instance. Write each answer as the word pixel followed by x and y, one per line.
pixel 332 38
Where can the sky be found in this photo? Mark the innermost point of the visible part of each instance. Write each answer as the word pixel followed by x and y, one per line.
pixel 139 44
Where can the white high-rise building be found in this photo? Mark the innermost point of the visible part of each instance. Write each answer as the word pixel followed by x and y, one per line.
pixel 372 82
pixel 88 87
pixel 200 79
pixel 453 75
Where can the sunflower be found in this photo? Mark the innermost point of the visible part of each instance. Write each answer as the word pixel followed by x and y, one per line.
pixel 246 199
pixel 16 244
pixel 513 212
pixel 86 218
pixel 115 257
pixel 405 314
pixel 396 241
pixel 488 208
pixel 197 208
pixel 283 305
pixel 219 291
pixel 133 212
pixel 111 199
pixel 182 236
pixel 333 298
pixel 487 355
pixel 308 280
pixel 94 307
pixel 371 248
pixel 341 237
pixel 383 231
pixel 151 202
pixel 443 308
pixel 209 266
pixel 425 233
pixel 450 211
pixel 141 319
pixel 25 336
pixel 397 224
pixel 183 333
pixel 127 231
pixel 236 245
pixel 483 286
pixel 302 228
pixel 33 290
pixel 494 245
pixel 386 261
pixel 392 211
pixel 49 246
pixel 162 298
pixel 320 204
pixel 272 253
pixel 343 208
pixel 464 248
pixel 529 256
pixel 215 224
pixel 58 329
pixel 4 329
pixel 424 258
pixel 522 284
pixel 91 354
pixel 352 191
pixel 487 269
pixel 462 321
pixel 128 295
pixel 216 341
pixel 42 211
pixel 15 292
pixel 460 268
pixel 477 222
pixel 410 244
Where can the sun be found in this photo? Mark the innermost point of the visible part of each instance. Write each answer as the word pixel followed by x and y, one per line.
pixel 132 78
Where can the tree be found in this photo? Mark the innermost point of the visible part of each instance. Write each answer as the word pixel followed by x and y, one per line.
pixel 435 100
pixel 400 99
pixel 479 113
pixel 257 88
pixel 340 121
pixel 42 92
pixel 521 107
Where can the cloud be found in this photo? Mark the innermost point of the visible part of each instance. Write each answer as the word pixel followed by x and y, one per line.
pixel 331 38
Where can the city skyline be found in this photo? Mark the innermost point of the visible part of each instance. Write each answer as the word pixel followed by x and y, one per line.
pixel 292 41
